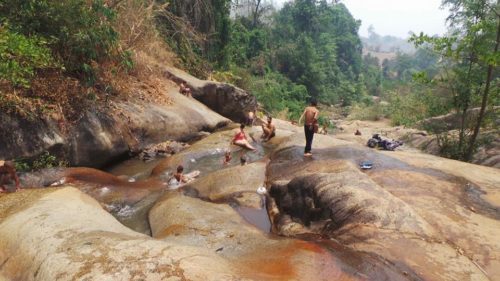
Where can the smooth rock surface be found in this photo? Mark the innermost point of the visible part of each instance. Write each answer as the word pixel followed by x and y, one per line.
pixel 65 235
pixel 217 227
pixel 102 136
pixel 441 212
pixel 225 99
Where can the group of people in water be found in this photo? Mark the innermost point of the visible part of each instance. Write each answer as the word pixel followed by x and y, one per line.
pixel 310 117
pixel 311 126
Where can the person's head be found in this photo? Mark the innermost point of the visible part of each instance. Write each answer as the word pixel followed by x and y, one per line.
pixel 242 126
pixel 269 119
pixel 243 160
pixel 314 102
pixel 180 169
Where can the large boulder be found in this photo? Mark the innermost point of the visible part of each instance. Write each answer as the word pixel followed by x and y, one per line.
pixel 225 99
pixel 218 228
pixel 105 134
pixel 440 211
pixel 65 235
pixel 224 183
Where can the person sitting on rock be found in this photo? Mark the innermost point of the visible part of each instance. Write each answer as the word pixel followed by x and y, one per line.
pixel 323 130
pixel 7 175
pixel 357 133
pixel 268 129
pixel 240 139
pixel 184 89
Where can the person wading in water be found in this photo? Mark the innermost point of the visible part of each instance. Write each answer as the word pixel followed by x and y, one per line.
pixel 310 114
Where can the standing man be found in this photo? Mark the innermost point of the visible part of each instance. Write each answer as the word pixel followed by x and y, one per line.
pixel 311 114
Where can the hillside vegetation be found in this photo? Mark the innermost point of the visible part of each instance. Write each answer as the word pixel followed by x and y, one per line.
pixel 61 55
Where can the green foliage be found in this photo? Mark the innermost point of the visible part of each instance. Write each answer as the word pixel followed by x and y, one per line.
pixel 449 146
pixel 77 31
pixel 470 51
pixel 44 160
pixel 279 94
pixel 21 56
pixel 316 44
pixel 199 31
pixel 373 112
pixel 407 108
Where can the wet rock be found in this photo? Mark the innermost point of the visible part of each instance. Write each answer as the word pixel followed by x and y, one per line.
pixel 218 228
pixel 162 149
pixel 215 144
pixel 409 201
pixel 67 236
pixel 225 183
pixel 346 198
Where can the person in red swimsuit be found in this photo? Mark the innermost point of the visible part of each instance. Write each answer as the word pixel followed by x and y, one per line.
pixel 240 139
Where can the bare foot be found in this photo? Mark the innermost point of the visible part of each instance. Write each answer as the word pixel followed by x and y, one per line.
pixel 308 154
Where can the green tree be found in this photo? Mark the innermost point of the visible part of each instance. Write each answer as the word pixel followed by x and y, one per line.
pixel 471 50
pixel 77 31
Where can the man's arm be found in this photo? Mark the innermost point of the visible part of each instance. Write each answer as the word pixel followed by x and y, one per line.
pixel 315 117
pixel 302 116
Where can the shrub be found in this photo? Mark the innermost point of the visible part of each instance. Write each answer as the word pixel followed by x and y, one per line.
pixel 372 112
pixel 42 161
pixel 278 94
pixel 21 56
pixel 78 31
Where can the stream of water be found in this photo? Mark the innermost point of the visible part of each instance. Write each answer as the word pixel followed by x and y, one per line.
pixel 135 216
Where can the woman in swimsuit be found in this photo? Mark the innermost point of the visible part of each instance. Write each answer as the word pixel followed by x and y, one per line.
pixel 240 139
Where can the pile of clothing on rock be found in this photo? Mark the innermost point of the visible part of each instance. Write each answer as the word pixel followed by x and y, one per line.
pixel 377 142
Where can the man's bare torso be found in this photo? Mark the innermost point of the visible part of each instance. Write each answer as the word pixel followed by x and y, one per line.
pixel 310 113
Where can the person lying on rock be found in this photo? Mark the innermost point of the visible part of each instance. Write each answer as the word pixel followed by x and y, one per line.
pixel 184 89
pixel 8 175
pixel 268 129
pixel 240 139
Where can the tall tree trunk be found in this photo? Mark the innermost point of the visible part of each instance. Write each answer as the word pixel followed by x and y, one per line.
pixel 484 101
pixel 256 13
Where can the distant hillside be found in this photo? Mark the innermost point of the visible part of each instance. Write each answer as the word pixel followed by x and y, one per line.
pixel 376 43
pixel 381 56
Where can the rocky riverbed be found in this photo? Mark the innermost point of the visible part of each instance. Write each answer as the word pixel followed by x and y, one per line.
pixel 412 217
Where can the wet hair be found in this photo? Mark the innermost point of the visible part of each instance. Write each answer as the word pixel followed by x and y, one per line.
pixel 180 169
pixel 242 126
pixel 314 102
pixel 270 118
pixel 243 160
